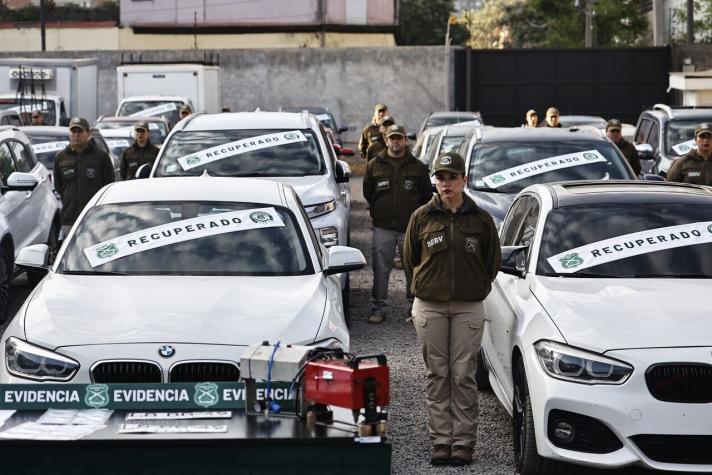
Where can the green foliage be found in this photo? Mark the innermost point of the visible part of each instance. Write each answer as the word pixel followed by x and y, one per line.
pixel 424 22
pixel 702 22
pixel 108 11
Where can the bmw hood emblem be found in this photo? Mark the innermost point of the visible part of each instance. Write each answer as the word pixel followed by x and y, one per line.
pixel 166 351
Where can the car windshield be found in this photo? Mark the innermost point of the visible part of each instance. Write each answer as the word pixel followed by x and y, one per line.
pixel 449 143
pixel 27 106
pixel 187 238
pixel 628 240
pixel 680 135
pixel 510 167
pixel 267 152
pixel 167 109
pixel 157 131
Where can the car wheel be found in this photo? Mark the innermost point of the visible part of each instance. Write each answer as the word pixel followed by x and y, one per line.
pixel 346 302
pixel 526 458
pixel 481 374
pixel 5 277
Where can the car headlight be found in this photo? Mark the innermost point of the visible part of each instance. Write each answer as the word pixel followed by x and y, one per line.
pixel 579 366
pixel 320 209
pixel 32 362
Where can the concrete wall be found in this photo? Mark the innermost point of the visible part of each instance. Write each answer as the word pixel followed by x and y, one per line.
pixel 349 81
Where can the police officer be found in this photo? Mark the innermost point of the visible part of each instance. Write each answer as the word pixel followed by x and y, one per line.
pixel 395 185
pixel 696 166
pixel 532 119
pixel 141 152
pixel 552 118
pixel 614 132
pixel 371 131
pixel 452 253
pixel 80 170
pixel 37 118
pixel 379 143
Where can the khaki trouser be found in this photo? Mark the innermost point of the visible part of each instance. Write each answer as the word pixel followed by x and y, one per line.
pixel 450 334
pixel 383 246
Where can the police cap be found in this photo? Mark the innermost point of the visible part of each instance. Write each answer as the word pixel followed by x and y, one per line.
pixel 449 162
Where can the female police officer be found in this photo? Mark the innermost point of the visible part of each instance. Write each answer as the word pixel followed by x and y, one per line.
pixel 452 253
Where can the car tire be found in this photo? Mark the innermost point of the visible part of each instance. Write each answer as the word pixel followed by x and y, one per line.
pixel 6 266
pixel 345 299
pixel 527 460
pixel 481 374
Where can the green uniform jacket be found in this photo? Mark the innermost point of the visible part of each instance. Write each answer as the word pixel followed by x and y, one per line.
pixel 376 147
pixel 368 135
pixel 691 168
pixel 394 193
pixel 135 156
pixel 631 154
pixel 78 176
pixel 451 256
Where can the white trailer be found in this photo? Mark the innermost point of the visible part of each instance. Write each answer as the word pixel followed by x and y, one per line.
pixel 59 88
pixel 198 82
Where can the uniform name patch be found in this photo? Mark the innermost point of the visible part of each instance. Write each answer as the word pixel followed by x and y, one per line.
pixel 436 240
pixel 527 170
pixel 180 231
pixel 50 146
pixel 239 147
pixel 155 110
pixel 629 245
pixel 694 173
pixel 684 147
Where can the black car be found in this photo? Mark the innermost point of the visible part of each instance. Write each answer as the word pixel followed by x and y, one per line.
pixel 501 162
pixel 664 133
pixel 435 119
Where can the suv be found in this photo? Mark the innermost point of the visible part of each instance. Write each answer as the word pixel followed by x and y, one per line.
pixel 292 148
pixel 665 133
pixel 29 210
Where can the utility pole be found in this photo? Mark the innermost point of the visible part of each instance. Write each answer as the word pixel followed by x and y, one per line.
pixel 588 12
pixel 658 23
pixel 690 22
pixel 43 26
pixel 195 29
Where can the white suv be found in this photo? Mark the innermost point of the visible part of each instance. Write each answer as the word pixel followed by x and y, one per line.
pixel 29 210
pixel 292 148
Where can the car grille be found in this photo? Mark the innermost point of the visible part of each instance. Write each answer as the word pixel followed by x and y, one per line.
pixel 199 371
pixel 690 449
pixel 680 382
pixel 126 372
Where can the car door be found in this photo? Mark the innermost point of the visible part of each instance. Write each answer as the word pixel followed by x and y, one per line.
pixel 12 202
pixel 510 294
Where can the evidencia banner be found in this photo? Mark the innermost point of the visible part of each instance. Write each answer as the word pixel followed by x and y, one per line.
pixel 179 231
pixel 629 245
pixel 185 396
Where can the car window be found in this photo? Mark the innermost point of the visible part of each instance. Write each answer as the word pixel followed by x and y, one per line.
pixel 188 238
pixel 23 160
pixel 46 147
pixel 7 165
pixel 510 166
pixel 680 135
pixel 653 137
pixel 642 131
pixel 258 152
pixel 513 220
pixel 527 228
pixel 628 240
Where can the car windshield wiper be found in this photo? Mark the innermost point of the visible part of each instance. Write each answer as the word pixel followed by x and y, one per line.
pixel 89 272
pixel 691 275
pixel 586 275
pixel 489 190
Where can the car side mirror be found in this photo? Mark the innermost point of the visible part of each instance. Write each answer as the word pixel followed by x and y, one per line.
pixel 18 181
pixel 645 151
pixel 144 171
pixel 33 257
pixel 341 259
pixel 514 260
pixel 343 172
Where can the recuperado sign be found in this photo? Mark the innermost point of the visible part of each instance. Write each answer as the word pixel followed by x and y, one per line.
pixel 633 244
pixel 179 231
pixel 683 147
pixel 194 396
pixel 527 170
pixel 50 146
pixel 239 147
pixel 155 110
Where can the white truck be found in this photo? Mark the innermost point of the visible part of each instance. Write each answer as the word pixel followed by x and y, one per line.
pixel 199 83
pixel 57 88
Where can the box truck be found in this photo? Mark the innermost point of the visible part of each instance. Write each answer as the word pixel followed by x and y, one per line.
pixel 57 88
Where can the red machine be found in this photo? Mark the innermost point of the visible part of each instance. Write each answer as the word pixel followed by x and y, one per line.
pixel 352 384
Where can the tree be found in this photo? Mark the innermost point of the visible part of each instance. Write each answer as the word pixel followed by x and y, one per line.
pixel 702 22
pixel 424 22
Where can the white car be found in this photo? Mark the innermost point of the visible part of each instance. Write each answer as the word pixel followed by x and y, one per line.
pixel 170 280
pixel 278 146
pixel 29 210
pixel 598 335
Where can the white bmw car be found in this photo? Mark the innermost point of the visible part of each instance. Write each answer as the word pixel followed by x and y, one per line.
pixel 169 280
pixel 599 338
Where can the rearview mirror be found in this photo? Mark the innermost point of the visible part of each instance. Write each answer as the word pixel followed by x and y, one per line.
pixel 645 151
pixel 514 260
pixel 343 259
pixel 18 181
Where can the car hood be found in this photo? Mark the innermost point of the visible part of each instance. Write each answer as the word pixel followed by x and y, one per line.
pixel 606 314
pixel 93 310
pixel 312 189
pixel 496 204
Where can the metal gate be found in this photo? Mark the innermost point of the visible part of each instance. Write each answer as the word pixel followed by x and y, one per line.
pixel 503 84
